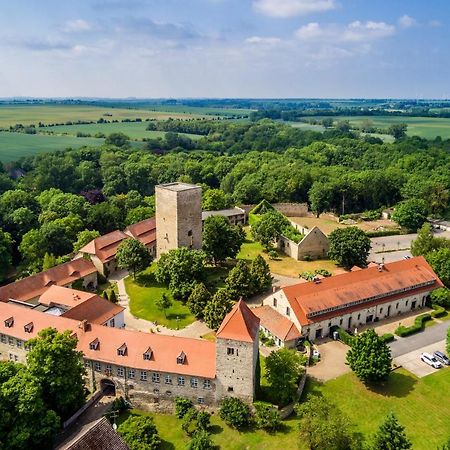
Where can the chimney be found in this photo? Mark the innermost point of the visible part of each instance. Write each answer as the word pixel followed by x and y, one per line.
pixel 83 325
pixel 275 289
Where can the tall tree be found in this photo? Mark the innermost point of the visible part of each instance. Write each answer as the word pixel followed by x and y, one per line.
pixel 370 357
pixel 221 240
pixel 398 130
pixel 391 435
pixel 55 362
pixel 425 241
pixel 197 301
pixel 260 274
pixel 6 244
pixel 84 237
pixel 411 214
pixel 239 282
pixel 216 310
pixel 269 228
pixel 439 260
pixel 133 255
pixel 349 247
pixel 283 370
pixel 215 199
pixel 163 303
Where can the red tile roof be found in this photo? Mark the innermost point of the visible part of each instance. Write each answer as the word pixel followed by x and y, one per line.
pixel 200 354
pixel 343 291
pixel 35 285
pixel 105 247
pixel 83 305
pixel 279 325
pixel 239 324
pixel 144 231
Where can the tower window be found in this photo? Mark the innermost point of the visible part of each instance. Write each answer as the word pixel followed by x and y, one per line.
pixel 190 233
pixel 274 302
pixel 230 351
pixel 230 389
pixel 288 311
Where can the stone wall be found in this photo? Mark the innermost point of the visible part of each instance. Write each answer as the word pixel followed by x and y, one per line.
pixel 288 209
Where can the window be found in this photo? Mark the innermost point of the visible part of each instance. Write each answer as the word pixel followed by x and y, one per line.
pixel 288 311
pixel 148 354
pixel 122 350
pixel 396 306
pixel 130 373
pixel 155 377
pixel 10 340
pixel 108 369
pixel 341 321
pixel 406 304
pixel 206 384
pixel 87 364
pixel 180 381
pixel 112 323
pixel 230 351
pixel 19 343
pixel 168 379
pixel 94 344
pixel 194 382
pixel 28 327
pixel 274 302
pixel 13 357
pixel 120 372
pixel 381 310
pixel 201 400
pixel 190 233
pixel 230 389
pixel 98 367
pixel 181 358
pixel 3 338
pixel 359 316
pixel 143 375
pixel 9 322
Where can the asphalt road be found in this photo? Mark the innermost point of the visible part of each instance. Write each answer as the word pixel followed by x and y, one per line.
pixel 431 335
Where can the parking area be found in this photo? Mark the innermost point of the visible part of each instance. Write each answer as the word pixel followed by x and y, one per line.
pixel 411 361
pixel 332 361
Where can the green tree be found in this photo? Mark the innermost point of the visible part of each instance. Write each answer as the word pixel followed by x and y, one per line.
pixel 216 310
pixel 441 297
pixel 180 269
pixel 201 440
pixel 6 244
pixel 370 358
pixel 239 282
pixel 425 241
pixel 54 361
pixel 439 260
pixel 25 420
pixel 349 247
pixel 112 296
pixel 83 238
pixel 323 426
pixel 327 122
pixel 391 435
pixel 320 196
pixel 343 126
pixel 163 303
pixel 260 274
pixel 267 417
pixel 182 406
pixel 221 240
pixel 269 228
pixel 215 199
pixel 447 342
pixel 49 261
pixel 140 433
pixel 197 301
pixel 235 413
pixel 398 130
pixel 139 214
pixel 104 217
pixel 411 214
pixel 117 139
pixel 195 420
pixel 283 370
pixel 133 255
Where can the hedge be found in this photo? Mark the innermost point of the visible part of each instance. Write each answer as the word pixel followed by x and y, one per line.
pixel 387 337
pixel 348 339
pixel 439 311
pixel 419 325
pixel 381 233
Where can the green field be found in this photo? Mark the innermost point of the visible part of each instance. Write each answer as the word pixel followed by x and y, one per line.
pixel 15 145
pixel 135 130
pixel 33 114
pixel 426 127
pixel 421 405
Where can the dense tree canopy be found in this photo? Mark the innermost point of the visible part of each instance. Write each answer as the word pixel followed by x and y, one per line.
pixel 411 214
pixel 349 247
pixel 140 433
pixel 133 255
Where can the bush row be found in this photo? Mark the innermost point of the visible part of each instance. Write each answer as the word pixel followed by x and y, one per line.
pixel 381 233
pixel 419 325
pixel 439 311
pixel 348 339
pixel 387 337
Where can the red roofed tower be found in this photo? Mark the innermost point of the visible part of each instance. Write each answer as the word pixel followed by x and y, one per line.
pixel 237 350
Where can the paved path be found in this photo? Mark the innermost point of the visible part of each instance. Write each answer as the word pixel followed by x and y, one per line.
pixel 429 336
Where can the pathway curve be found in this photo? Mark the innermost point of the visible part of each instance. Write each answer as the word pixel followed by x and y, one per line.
pixel 195 329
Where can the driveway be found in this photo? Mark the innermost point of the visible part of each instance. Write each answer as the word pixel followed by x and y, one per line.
pixel 332 361
pixel 411 361
pixel 429 336
pixel 386 243
pixel 388 257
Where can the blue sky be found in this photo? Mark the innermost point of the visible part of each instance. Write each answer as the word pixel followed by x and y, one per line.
pixel 225 48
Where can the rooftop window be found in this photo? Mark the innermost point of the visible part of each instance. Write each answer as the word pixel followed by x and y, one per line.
pixel 122 350
pixel 9 322
pixel 148 354
pixel 94 344
pixel 181 358
pixel 28 327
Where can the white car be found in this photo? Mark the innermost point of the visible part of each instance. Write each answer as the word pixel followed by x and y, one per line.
pixel 430 360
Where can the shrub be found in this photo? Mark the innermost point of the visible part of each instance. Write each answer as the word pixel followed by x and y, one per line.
pixel 189 425
pixel 387 337
pixel 323 272
pixel 441 297
pixel 267 417
pixel 345 337
pixel 140 432
pixel 200 441
pixel 419 325
pixel 182 406
pixel 439 311
pixel 307 258
pixel 272 254
pixel 382 233
pixel 235 413
pixel 307 275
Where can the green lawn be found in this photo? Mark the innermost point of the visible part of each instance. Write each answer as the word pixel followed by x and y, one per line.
pixel 144 290
pixel 420 404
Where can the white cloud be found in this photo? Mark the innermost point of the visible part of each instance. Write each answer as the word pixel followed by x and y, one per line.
pixel 77 26
pixel 434 23
pixel 291 8
pixel 406 21
pixel 354 32
pixel 258 40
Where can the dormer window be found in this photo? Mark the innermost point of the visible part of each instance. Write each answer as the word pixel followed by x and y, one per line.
pixel 148 354
pixel 9 322
pixel 122 350
pixel 94 344
pixel 28 327
pixel 181 358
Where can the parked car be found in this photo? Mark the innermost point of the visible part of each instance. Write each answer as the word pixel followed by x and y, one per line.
pixel 442 358
pixel 430 360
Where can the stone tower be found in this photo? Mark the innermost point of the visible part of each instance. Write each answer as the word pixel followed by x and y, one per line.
pixel 237 350
pixel 178 217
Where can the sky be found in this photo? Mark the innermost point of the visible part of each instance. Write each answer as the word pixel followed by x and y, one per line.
pixel 225 48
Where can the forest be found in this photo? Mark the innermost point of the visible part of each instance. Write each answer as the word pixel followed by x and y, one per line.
pixel 46 209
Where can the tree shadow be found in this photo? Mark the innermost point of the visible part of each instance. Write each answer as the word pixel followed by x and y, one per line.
pixel 180 316
pixel 166 445
pixel 215 429
pixel 398 385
